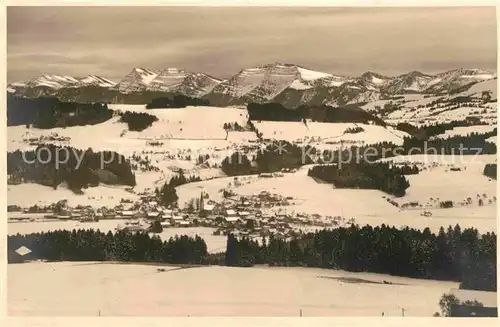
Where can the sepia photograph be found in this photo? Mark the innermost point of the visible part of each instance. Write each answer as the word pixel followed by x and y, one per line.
pixel 211 161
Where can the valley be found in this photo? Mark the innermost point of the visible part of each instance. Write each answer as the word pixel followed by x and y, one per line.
pixel 210 171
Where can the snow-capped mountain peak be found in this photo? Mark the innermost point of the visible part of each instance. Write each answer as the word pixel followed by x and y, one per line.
pixel 279 82
pixel 412 82
pixel 56 82
pixel 52 81
pixel 167 80
pixel 179 81
pixel 373 81
pixel 136 80
pixel 97 81
pixel 263 83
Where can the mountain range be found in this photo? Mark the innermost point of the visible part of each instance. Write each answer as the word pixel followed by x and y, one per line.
pixel 288 84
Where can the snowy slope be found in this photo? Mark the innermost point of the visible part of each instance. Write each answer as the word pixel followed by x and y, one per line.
pixel 53 81
pixel 328 135
pixel 477 89
pixel 456 78
pixel 97 80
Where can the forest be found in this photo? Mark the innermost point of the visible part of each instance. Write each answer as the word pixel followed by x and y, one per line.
pixel 137 121
pixel 236 164
pixel 167 194
pixel 454 254
pixel 275 156
pixel 380 176
pixel 92 245
pixel 318 113
pixel 48 112
pixel 176 101
pixel 472 144
pixel 282 154
pixel 51 165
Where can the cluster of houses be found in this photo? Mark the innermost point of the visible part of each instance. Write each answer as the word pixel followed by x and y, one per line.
pixel 259 214
pixel 46 138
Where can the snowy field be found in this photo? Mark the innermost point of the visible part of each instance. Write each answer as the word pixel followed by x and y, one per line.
pixel 188 128
pixel 111 290
pixel 99 196
pixel 328 132
pixel 439 182
pixel 441 114
pixel 410 113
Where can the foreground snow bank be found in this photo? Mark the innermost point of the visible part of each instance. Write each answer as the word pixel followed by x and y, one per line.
pixel 89 289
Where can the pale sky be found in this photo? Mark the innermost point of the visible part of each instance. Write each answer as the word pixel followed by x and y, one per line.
pixel 111 41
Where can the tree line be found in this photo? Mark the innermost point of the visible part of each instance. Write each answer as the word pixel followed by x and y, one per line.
pixel 49 112
pixel 50 165
pixel 317 113
pixel 176 101
pixel 458 255
pixel 94 245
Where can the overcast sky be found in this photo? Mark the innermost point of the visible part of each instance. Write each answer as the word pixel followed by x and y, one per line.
pixel 110 41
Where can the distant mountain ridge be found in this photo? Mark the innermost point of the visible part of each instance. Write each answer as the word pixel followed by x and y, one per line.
pixel 289 84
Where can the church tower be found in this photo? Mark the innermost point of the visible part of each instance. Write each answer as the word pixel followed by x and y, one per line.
pixel 202 203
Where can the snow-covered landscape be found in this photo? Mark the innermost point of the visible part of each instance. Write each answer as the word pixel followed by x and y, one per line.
pixel 109 290
pixel 230 194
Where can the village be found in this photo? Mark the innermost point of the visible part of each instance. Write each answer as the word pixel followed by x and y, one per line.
pixel 255 216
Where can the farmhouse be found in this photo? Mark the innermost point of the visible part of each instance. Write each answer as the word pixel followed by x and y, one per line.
pixel 232 219
pixel 154 214
pixel 209 208
pixel 22 254
pixel 127 214
pixel 177 218
pixel 243 214
pixel 166 216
